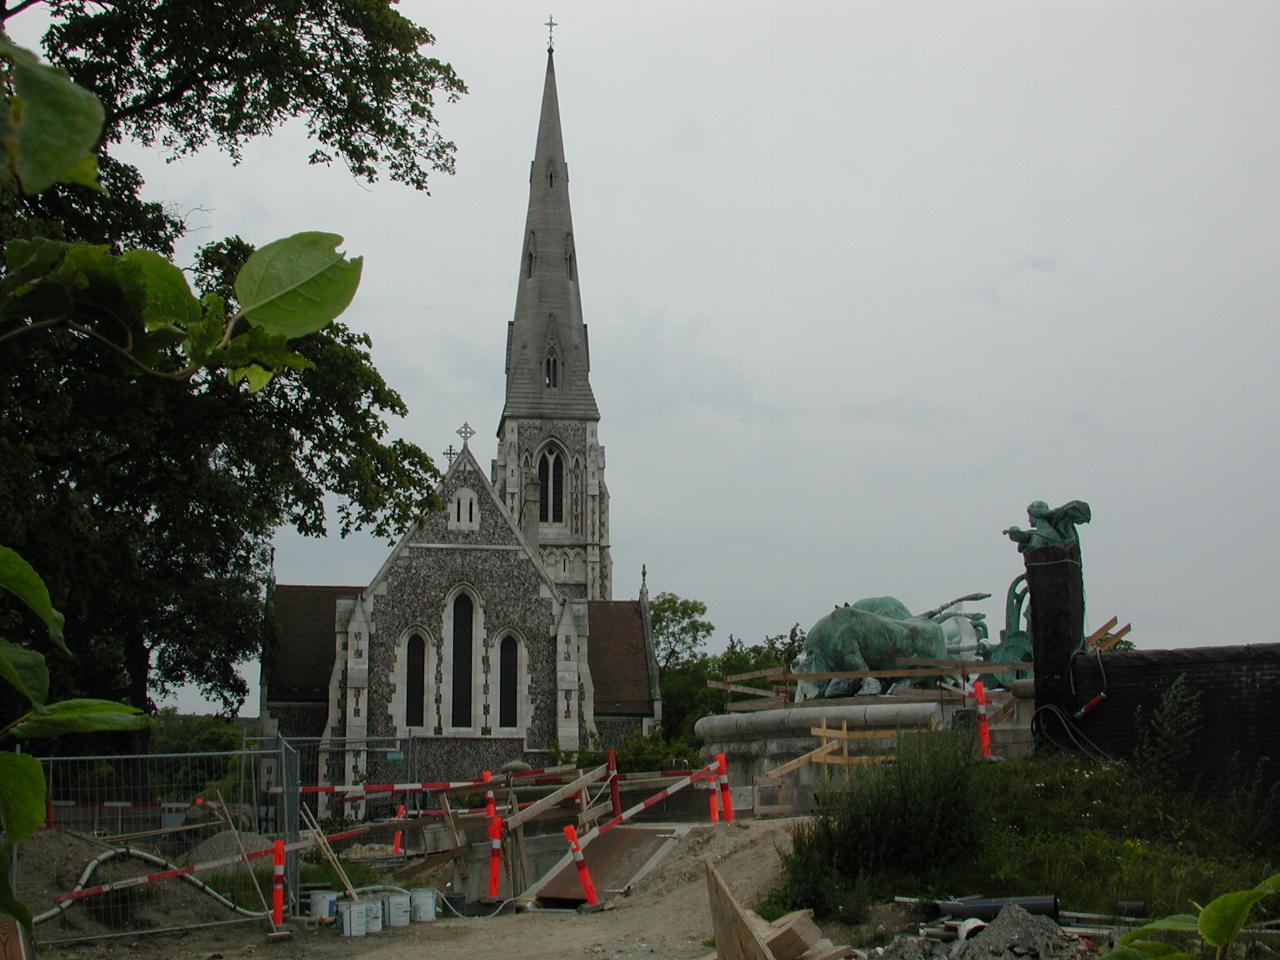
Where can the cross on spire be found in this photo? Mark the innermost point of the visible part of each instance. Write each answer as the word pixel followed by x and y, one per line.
pixel 466 433
pixel 551 27
pixel 450 454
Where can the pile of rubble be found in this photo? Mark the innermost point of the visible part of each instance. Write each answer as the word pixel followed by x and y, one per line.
pixel 1014 934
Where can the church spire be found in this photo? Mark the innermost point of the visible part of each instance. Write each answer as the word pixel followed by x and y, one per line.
pixel 547 351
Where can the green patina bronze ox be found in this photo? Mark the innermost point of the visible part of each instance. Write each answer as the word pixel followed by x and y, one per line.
pixel 873 634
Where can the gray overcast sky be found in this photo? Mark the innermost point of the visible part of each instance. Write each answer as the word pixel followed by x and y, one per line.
pixel 863 279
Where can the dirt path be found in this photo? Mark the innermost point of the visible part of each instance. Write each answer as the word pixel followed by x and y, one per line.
pixel 667 915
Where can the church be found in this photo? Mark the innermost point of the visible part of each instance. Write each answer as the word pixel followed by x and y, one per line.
pixel 490 633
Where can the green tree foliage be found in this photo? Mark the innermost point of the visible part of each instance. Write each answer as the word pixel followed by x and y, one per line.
pixel 680 634
pixel 148 504
pixel 182 76
pixel 680 630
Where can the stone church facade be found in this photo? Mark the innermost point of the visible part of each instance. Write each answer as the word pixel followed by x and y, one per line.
pixel 490 633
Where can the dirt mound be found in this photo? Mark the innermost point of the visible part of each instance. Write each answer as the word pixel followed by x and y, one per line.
pixel 1016 935
pixel 223 845
pixel 51 862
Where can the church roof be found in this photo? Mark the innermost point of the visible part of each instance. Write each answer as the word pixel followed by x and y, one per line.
pixel 299 657
pixel 548 314
pixel 618 658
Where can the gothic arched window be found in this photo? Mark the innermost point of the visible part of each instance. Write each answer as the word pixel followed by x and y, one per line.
pixel 551 369
pixel 530 255
pixel 508 686
pixel 551 487
pixel 415 681
pixel 463 610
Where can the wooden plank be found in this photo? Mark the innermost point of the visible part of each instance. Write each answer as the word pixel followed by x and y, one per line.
pixel 887 733
pixel 934 662
pixel 757 674
pixel 1115 638
pixel 825 950
pixel 793 938
pixel 595 813
pixel 551 799
pixel 1003 712
pixel 739 688
pixel 857 760
pixel 736 938
pixel 974 667
pixel 452 828
pixel 1091 640
pixel 800 761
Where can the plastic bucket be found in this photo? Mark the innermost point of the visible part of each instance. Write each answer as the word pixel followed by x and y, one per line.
pixel 354 918
pixel 422 904
pixel 398 910
pixel 323 903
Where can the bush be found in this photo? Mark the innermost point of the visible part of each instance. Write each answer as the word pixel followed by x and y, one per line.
pixel 1167 736
pixel 910 820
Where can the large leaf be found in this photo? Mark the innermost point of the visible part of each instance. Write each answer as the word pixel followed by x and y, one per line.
pixel 169 300
pixel 9 902
pixel 1221 919
pixel 27 262
pixel 20 578
pixel 53 124
pixel 297 285
pixel 26 670
pixel 1185 922
pixel 79 716
pixel 21 796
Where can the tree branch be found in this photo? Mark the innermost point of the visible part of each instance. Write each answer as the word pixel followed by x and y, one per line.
pixel 6 13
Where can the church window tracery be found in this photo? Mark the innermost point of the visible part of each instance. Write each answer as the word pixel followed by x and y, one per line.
pixel 551 487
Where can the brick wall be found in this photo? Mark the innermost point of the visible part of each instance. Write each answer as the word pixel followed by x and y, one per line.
pixel 1239 689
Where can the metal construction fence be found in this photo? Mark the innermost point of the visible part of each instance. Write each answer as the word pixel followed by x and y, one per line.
pixel 130 823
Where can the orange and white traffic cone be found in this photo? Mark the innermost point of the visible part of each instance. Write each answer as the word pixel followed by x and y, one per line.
pixel 490 810
pixel 277 883
pixel 584 875
pixel 495 856
pixel 726 798
pixel 984 727
pixel 395 840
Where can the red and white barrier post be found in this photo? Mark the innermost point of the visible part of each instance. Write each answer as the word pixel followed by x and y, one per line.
pixel 495 856
pixel 615 793
pixel 395 840
pixel 713 803
pixel 984 727
pixel 277 883
pixel 584 875
pixel 726 798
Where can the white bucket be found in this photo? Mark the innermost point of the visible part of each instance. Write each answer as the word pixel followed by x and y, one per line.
pixel 398 910
pixel 373 907
pixel 323 903
pixel 422 904
pixel 354 918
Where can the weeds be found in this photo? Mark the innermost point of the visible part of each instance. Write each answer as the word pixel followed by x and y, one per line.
pixel 936 823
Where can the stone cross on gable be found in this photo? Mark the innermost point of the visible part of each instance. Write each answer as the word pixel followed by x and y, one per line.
pixel 450 454
pixel 466 433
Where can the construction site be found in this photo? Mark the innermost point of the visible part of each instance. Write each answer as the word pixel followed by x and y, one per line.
pixel 218 855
